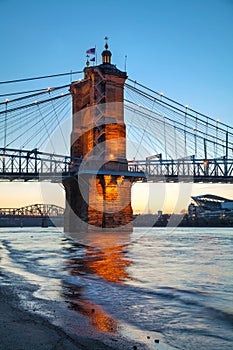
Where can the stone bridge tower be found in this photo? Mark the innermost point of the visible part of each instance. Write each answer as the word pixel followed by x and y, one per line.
pixel 98 195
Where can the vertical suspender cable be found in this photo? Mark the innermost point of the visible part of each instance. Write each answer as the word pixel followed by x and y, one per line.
pixel 226 154
pixel 165 136
pixel 205 149
pixel 5 125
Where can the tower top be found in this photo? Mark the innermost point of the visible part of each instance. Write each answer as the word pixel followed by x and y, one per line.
pixel 106 67
pixel 106 54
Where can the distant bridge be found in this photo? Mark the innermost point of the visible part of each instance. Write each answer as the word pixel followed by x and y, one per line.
pixel 50 210
pixel 40 215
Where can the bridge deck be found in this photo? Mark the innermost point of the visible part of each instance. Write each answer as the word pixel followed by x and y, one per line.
pixel 18 165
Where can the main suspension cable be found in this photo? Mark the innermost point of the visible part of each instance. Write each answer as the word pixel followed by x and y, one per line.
pixel 41 77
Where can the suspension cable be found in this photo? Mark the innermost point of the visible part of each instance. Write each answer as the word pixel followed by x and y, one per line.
pixel 34 103
pixel 41 77
pixel 171 100
pixel 40 92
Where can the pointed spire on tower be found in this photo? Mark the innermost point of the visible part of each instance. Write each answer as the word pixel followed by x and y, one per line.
pixel 106 54
pixel 106 42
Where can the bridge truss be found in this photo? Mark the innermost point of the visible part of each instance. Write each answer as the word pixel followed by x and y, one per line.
pixel 50 210
pixel 32 165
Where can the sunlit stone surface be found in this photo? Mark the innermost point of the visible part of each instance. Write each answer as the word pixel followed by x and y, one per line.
pixel 99 193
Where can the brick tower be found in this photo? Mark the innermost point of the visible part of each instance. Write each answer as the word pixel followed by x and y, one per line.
pixel 98 195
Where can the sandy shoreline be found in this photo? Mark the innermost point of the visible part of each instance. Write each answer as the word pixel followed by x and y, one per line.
pixel 22 330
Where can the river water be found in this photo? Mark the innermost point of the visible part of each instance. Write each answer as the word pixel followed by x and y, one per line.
pixel 174 285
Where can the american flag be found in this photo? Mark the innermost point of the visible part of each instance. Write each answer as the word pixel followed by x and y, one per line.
pixel 91 51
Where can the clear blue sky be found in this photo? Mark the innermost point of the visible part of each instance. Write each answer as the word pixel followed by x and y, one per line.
pixel 183 48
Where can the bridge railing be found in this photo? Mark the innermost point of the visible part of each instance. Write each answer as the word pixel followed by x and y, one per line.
pixel 28 165
pixel 31 164
pixel 188 169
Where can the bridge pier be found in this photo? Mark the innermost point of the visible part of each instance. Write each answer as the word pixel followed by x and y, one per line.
pixel 93 203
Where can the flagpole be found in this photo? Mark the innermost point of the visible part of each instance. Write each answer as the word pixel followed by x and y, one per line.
pixel 95 56
pixel 125 62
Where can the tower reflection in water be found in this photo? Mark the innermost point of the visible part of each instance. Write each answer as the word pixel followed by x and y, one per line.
pixel 93 256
